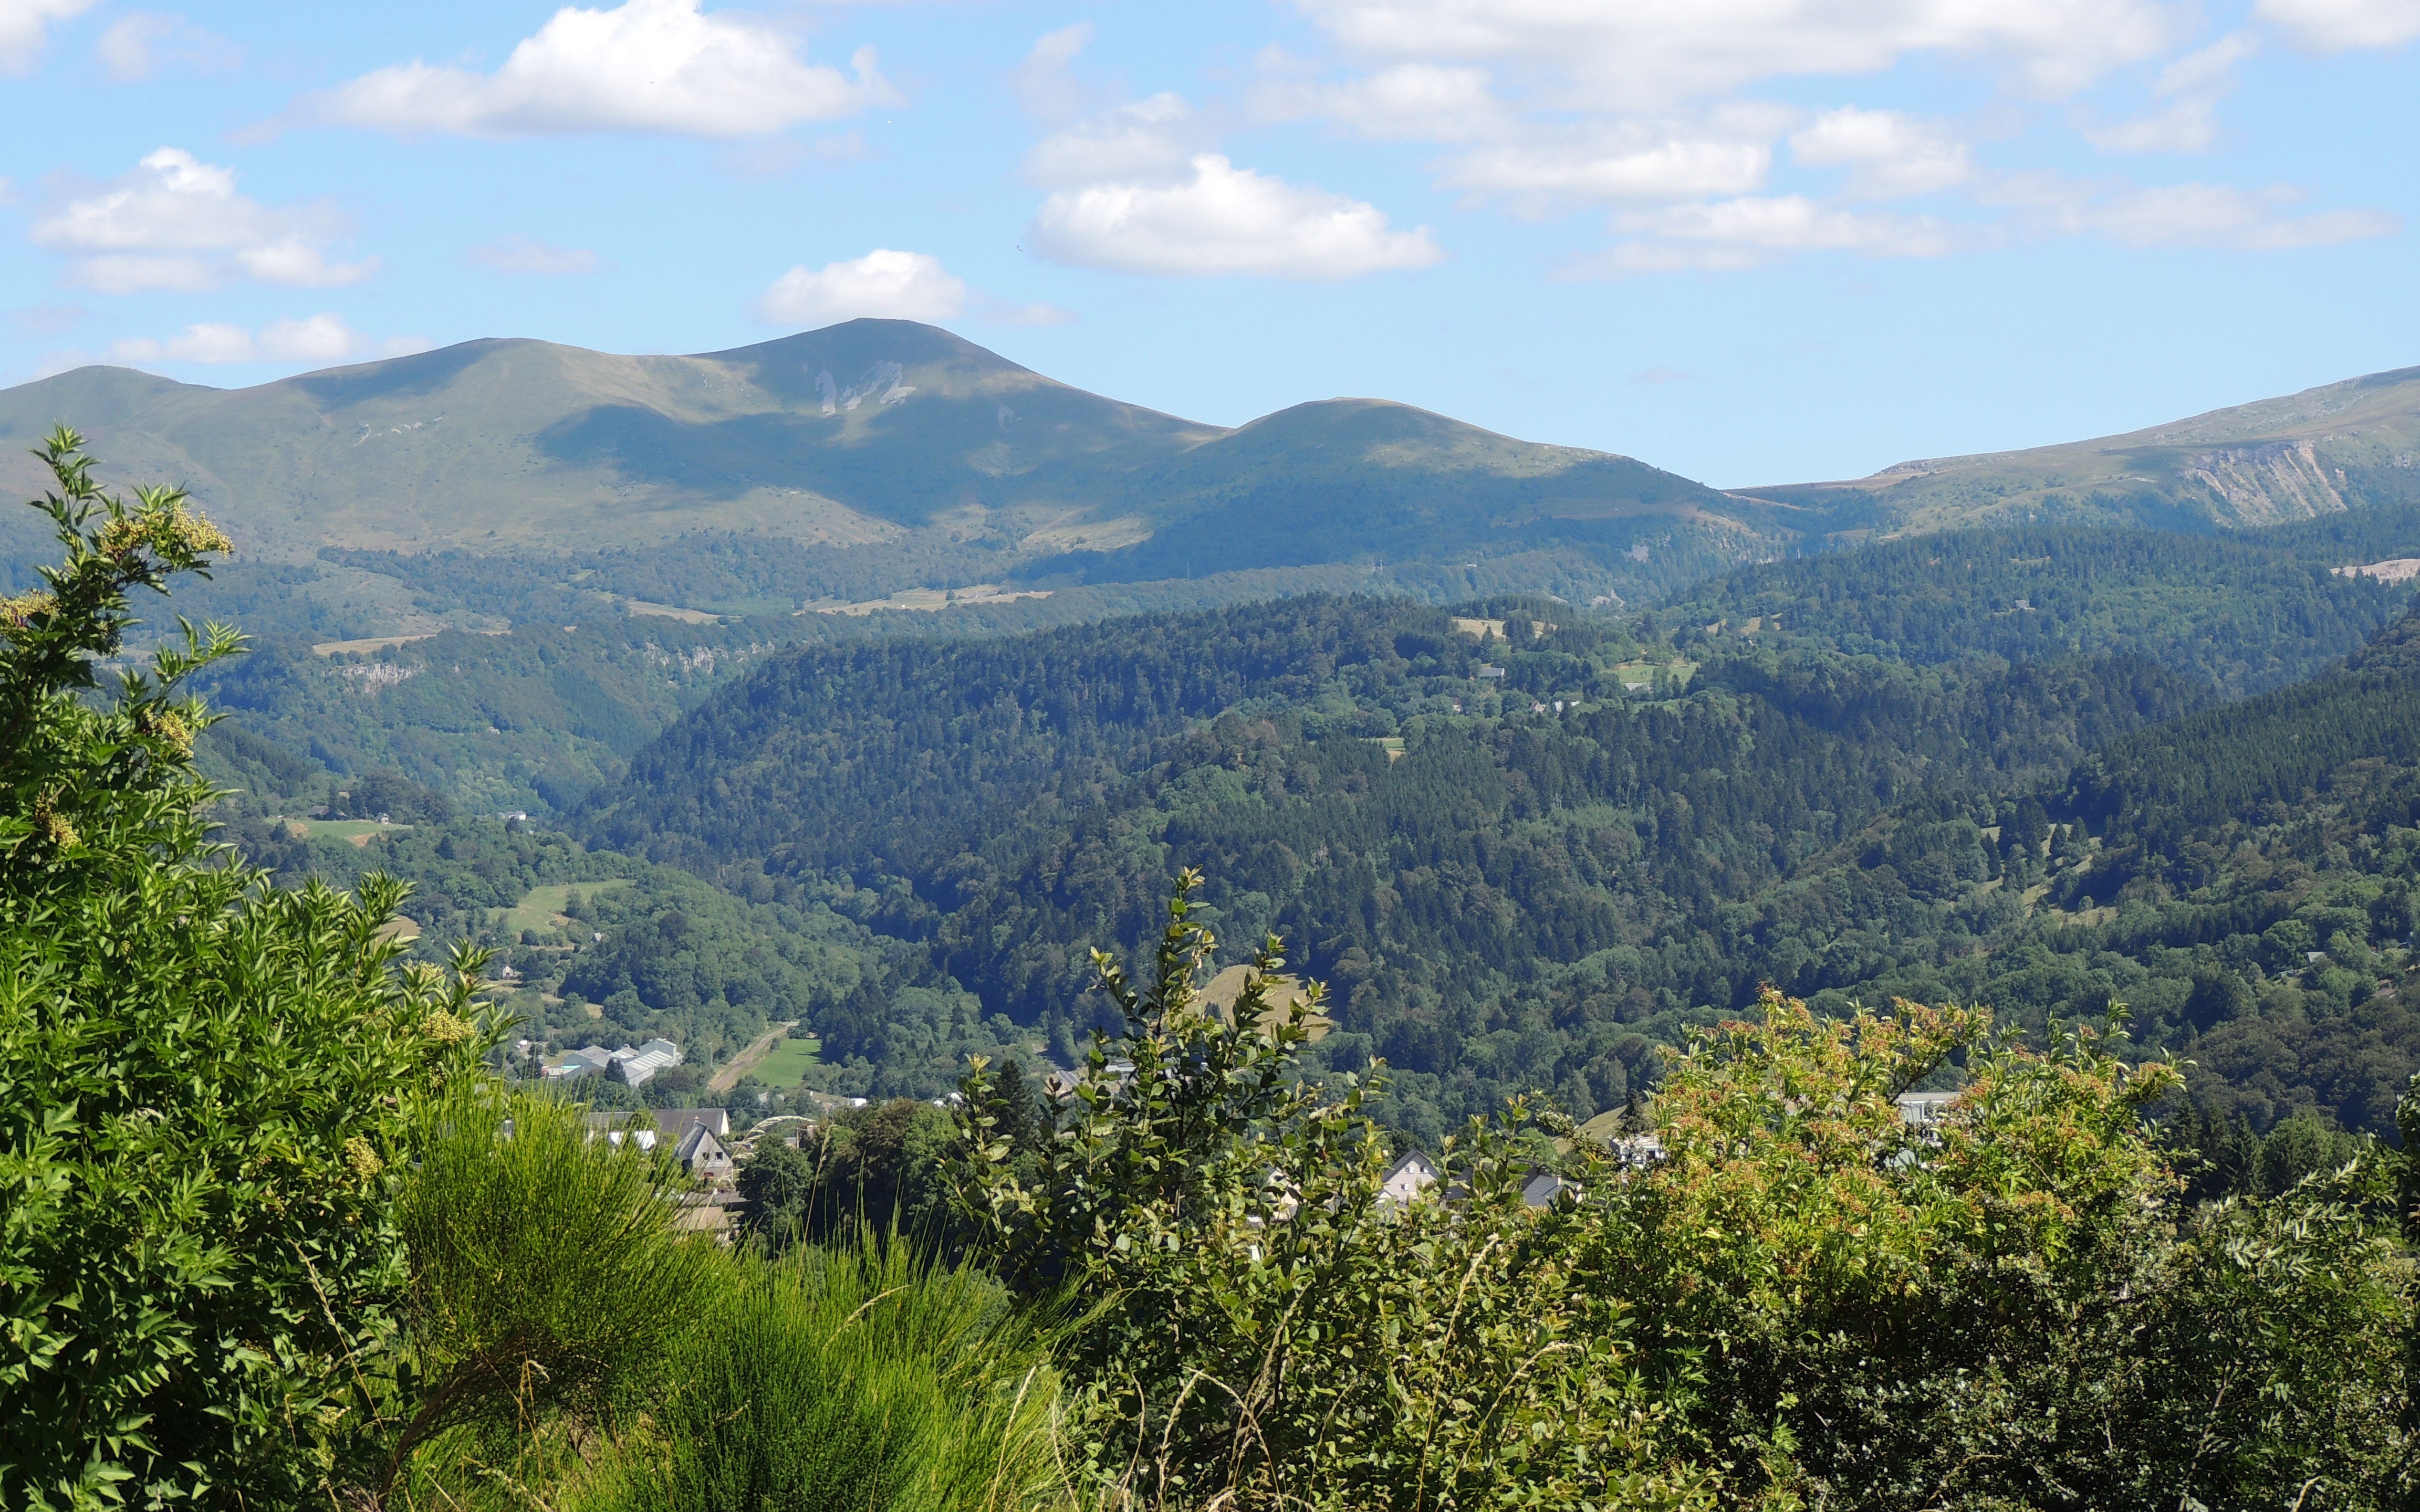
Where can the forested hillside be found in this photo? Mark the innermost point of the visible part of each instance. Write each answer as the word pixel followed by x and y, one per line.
pixel 2247 612
pixel 1503 895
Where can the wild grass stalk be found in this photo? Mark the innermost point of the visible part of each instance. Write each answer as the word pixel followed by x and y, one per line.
pixel 858 1377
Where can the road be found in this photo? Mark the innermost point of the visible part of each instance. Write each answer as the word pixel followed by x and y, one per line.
pixel 728 1077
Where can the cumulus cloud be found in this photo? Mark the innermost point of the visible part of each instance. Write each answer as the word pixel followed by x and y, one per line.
pixel 530 257
pixel 178 222
pixel 2183 215
pixel 2192 87
pixel 1891 155
pixel 1046 83
pixel 1137 189
pixel 2341 26
pixel 1614 161
pixel 1541 105
pixel 659 66
pixel 1408 103
pixel 888 284
pixel 25 25
pixel 319 338
pixel 1147 141
pixel 1223 218
pixel 1750 232
pixel 1647 55
pixel 139 44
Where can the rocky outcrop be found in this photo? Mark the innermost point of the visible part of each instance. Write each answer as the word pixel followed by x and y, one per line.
pixel 2269 483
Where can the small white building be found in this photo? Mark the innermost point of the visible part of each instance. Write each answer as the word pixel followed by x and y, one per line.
pixel 1924 1109
pixel 1407 1180
pixel 632 1067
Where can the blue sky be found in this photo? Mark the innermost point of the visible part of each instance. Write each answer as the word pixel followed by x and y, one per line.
pixel 1752 240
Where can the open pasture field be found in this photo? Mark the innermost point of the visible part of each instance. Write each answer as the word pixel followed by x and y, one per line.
pixel 541 908
pixel 357 830
pixel 787 1062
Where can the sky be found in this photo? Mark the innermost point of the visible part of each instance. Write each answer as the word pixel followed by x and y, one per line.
pixel 1750 240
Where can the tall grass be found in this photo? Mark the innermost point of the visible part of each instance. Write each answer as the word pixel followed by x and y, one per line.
pixel 864 1379
pixel 548 1283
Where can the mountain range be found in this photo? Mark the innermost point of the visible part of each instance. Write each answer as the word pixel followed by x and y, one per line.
pixel 2045 729
pixel 882 455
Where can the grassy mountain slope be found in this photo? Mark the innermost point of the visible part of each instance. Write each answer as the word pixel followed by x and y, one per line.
pixel 2341 446
pixel 851 434
pixel 902 454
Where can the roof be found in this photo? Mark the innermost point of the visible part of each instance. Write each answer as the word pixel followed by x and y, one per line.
pixel 1543 1188
pixel 675 1122
pixel 698 1146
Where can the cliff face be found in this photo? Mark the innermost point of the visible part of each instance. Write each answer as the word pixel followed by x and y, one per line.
pixel 2269 484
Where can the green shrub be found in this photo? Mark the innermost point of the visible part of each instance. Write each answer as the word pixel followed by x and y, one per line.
pixel 548 1280
pixel 864 1379
pixel 207 1088
pixel 1805 1301
pixel 1250 1325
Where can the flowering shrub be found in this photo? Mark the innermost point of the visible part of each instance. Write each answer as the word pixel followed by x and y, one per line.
pixel 208 1090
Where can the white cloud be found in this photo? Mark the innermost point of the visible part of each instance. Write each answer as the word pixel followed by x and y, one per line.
pixel 1646 54
pixel 1614 161
pixel 2193 87
pixel 2340 25
pixel 176 223
pixel 1223 218
pixel 320 338
pixel 1544 104
pixel 1891 156
pixel 1409 103
pixel 646 65
pixel 1046 82
pixel 895 285
pixel 2183 215
pixel 297 264
pixel 531 257
pixel 138 44
pixel 1149 141
pixel 1753 231
pixel 24 26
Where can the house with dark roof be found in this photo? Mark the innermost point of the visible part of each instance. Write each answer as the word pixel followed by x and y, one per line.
pixel 703 1155
pixel 1407 1180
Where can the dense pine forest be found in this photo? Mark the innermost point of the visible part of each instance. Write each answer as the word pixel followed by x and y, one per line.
pixel 1532 880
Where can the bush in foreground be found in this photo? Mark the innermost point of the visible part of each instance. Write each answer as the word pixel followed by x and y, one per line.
pixel 1806 1301
pixel 208 1088
pixel 839 1378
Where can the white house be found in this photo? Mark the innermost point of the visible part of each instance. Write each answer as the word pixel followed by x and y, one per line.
pixel 702 1154
pixel 1406 1180
pixel 1923 1109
